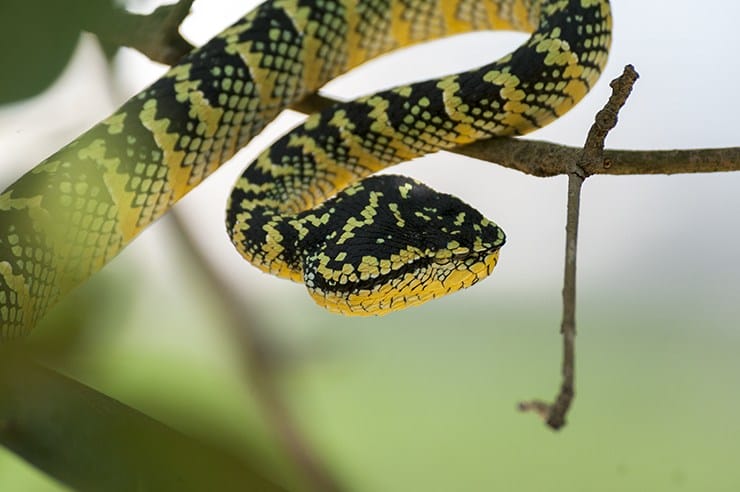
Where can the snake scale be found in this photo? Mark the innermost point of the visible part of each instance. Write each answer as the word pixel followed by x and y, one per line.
pixel 306 208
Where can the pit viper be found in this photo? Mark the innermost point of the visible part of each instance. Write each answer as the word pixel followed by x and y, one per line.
pixel 307 208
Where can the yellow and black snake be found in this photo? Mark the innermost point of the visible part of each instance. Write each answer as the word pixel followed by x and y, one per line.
pixel 303 210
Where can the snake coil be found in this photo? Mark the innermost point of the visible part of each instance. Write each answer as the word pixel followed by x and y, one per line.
pixel 304 209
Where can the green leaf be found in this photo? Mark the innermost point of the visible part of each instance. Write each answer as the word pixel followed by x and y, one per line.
pixel 37 39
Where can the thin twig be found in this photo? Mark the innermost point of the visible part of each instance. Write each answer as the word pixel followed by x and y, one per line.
pixel 556 415
pixel 260 357
pixel 591 156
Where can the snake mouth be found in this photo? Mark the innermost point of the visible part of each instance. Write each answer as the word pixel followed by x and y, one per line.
pixel 411 284
pixel 466 270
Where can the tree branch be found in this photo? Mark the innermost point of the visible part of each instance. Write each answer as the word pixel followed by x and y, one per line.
pixel 591 157
pixel 545 159
pixel 157 36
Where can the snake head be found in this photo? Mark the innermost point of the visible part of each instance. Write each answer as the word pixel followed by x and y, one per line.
pixel 396 243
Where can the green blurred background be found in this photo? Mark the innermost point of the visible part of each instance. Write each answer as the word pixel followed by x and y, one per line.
pixel 425 399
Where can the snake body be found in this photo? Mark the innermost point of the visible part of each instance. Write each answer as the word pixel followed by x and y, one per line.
pixel 303 210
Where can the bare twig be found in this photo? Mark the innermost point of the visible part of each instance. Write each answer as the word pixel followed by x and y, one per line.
pixel 591 156
pixel 260 357
pixel 556 413
pixel 544 159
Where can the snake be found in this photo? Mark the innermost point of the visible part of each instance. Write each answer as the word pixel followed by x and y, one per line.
pixel 311 207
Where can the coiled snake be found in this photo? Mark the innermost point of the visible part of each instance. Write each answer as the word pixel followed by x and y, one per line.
pixel 303 210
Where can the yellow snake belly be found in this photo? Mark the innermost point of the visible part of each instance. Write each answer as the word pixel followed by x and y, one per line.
pixel 299 211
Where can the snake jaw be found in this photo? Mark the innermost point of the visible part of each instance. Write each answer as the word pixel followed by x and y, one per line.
pixel 421 281
pixel 463 267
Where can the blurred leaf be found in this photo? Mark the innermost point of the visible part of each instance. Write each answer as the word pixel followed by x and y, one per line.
pixel 89 441
pixel 38 38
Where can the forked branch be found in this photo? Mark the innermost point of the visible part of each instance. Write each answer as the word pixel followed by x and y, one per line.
pixel 591 157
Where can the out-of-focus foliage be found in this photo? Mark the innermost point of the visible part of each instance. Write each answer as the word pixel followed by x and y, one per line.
pixel 37 39
pixel 91 442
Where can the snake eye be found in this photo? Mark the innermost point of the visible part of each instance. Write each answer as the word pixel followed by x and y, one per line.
pixel 460 252
pixel 442 257
pixel 454 253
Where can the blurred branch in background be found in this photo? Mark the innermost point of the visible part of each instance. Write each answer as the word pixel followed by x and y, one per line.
pixel 157 36
pixel 262 364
